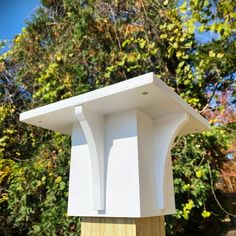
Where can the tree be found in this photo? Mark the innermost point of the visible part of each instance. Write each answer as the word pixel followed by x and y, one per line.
pixel 71 47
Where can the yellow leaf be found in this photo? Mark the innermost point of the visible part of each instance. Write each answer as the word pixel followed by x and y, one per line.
pixel 175 45
pixel 179 54
pixel 58 179
pixel 212 54
pixel 69 14
pixel 199 174
pixel 183 7
pixel 186 187
pixel 3 197
pixel 189 205
pixel 206 214
pixel 39 183
pixel 58 57
pixel 142 43
pixel 132 57
pixel 201 28
pixel 163 36
pixel 220 55
pixel 165 2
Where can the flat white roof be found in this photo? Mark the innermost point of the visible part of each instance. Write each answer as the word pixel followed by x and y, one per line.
pixel 146 93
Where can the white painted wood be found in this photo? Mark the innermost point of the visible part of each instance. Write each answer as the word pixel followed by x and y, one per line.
pixel 115 98
pixel 81 177
pixel 121 170
pixel 121 141
pixel 122 181
pixel 138 174
pixel 165 131
pixel 92 124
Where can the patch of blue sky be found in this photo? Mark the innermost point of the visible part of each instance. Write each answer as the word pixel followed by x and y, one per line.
pixel 205 36
pixel 13 15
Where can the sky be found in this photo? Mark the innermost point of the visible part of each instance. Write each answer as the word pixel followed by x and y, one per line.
pixel 13 14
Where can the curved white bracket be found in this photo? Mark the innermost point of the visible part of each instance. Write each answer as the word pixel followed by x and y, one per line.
pixel 166 129
pixel 92 124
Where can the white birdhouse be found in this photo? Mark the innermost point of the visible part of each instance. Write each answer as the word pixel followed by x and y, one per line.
pixel 121 141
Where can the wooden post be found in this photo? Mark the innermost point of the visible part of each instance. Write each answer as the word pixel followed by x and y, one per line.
pixel 106 226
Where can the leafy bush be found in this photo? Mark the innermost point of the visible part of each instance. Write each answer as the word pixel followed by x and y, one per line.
pixel 71 47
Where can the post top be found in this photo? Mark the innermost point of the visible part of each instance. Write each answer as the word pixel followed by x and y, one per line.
pixel 146 93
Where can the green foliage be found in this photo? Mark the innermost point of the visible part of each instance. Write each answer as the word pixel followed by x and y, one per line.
pixel 193 157
pixel 37 194
pixel 71 47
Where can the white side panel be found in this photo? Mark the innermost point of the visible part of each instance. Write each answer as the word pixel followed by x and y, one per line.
pixel 137 167
pixel 122 196
pixel 92 124
pixel 166 129
pixel 150 168
pixel 80 182
pixel 147 176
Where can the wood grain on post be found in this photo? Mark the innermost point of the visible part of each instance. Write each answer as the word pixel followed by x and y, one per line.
pixel 148 226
